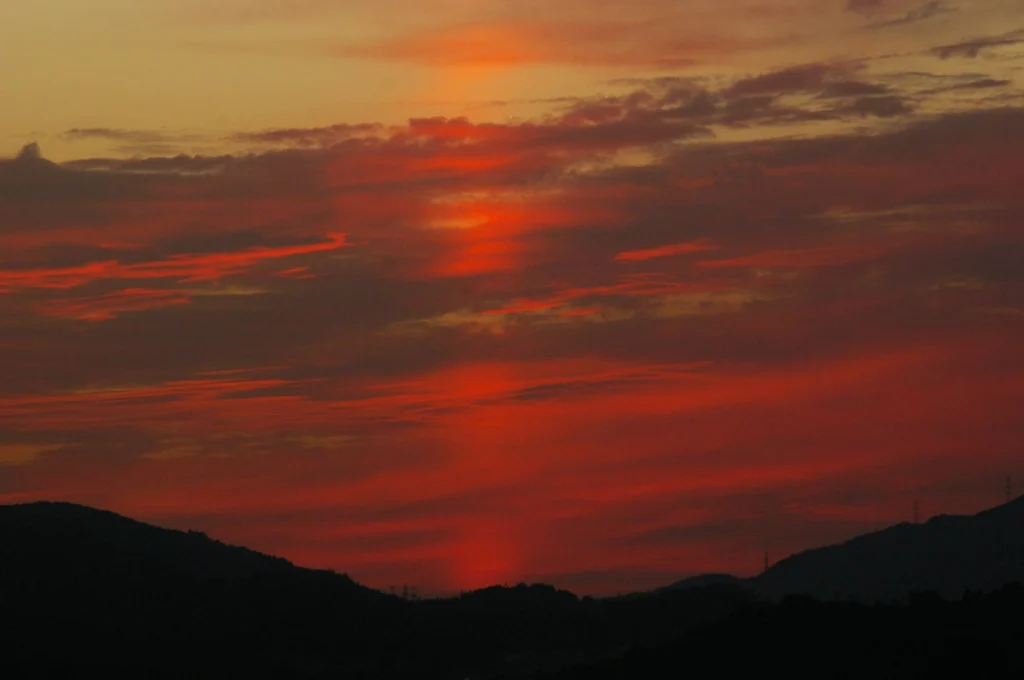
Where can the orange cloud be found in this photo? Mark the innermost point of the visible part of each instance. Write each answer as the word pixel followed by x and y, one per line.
pixel 516 44
pixel 661 39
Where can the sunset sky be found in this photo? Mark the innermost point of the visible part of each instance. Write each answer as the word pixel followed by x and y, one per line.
pixel 599 293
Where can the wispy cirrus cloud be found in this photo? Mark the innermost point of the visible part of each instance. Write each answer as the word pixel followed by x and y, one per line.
pixel 972 48
pixel 183 268
pixel 928 10
pixel 698 246
pixel 108 305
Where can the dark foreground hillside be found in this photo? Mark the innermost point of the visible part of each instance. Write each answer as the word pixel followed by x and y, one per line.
pixel 947 555
pixel 980 636
pixel 90 593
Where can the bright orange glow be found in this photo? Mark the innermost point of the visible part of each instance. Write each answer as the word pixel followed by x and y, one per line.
pixel 483 556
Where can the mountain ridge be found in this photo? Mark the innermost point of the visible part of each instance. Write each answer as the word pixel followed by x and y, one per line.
pixel 941 539
pixel 117 596
pixel 841 569
pixel 947 554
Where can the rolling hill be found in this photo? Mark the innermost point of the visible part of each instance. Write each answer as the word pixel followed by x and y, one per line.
pixel 946 555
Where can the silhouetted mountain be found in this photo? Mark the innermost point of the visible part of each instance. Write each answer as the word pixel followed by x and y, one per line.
pixel 521 596
pixel 68 537
pixel 946 555
pixel 64 541
pixel 702 581
pixel 92 592
pixel 91 589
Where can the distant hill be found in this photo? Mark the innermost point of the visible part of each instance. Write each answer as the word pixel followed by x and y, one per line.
pixel 702 581
pixel 520 597
pixel 94 592
pixel 69 537
pixel 65 540
pixel 946 555
pixel 799 638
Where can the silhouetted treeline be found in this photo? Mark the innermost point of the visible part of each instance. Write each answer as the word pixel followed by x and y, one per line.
pixel 158 626
pixel 978 636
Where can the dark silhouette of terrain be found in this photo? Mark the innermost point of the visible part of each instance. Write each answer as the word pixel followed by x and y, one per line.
pixel 947 555
pixel 702 581
pixel 979 637
pixel 67 540
pixel 89 591
pixel 86 591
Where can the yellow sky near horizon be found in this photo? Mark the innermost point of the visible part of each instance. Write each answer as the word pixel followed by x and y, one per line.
pixel 200 72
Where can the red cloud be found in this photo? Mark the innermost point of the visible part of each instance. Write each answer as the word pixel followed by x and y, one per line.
pixel 109 305
pixel 699 246
pixel 182 268
pixel 805 258
pixel 552 447
pixel 531 448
